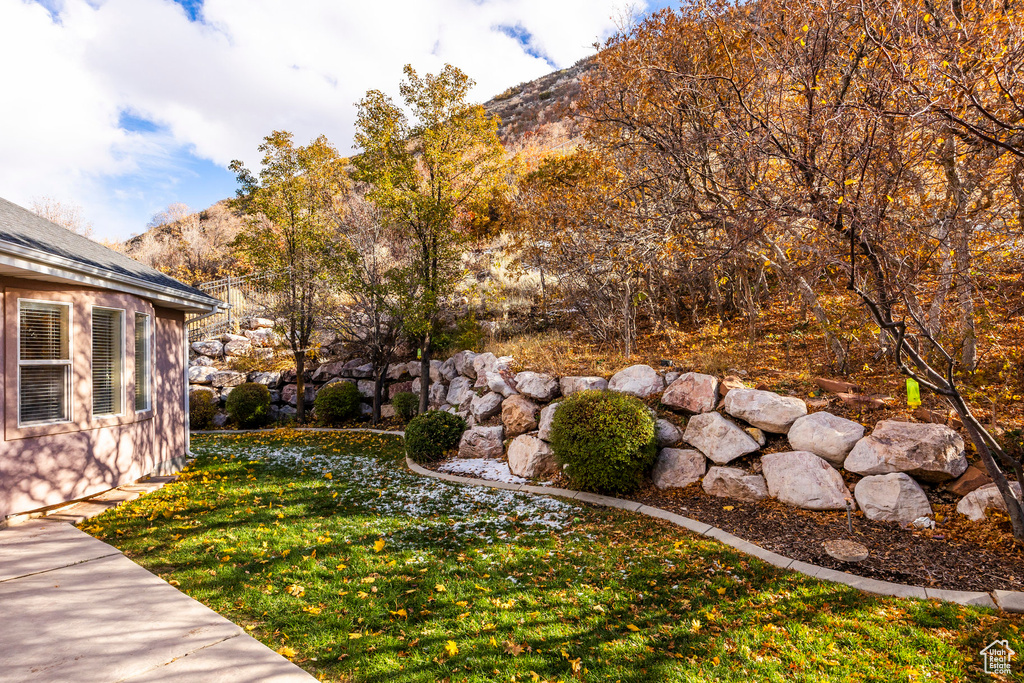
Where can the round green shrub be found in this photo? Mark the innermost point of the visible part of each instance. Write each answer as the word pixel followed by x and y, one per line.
pixel 430 435
pixel 248 405
pixel 202 407
pixel 406 404
pixel 605 440
pixel 337 402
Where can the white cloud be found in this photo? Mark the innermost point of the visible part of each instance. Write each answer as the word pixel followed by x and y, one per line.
pixel 216 87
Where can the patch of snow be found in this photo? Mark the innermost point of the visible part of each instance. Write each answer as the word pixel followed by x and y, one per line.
pixel 482 468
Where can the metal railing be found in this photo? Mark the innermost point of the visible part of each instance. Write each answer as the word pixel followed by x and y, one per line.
pixel 245 296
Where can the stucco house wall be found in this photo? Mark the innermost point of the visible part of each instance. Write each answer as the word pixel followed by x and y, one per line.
pixel 45 465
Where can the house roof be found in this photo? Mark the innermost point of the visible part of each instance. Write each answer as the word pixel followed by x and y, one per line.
pixel 33 247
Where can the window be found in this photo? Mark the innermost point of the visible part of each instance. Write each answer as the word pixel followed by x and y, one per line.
pixel 142 362
pixel 44 362
pixel 107 346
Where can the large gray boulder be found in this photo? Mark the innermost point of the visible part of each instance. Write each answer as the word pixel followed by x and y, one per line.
pixel 396 370
pixel 447 370
pixel 547 418
pixel 483 364
pixel 765 410
pixel 892 497
pixel 929 452
pixel 667 433
pixel 482 442
pixel 574 385
pixel 537 385
pixel 208 347
pixel 363 371
pixel 460 392
pixel 205 361
pixel 732 482
pixel 227 378
pixel 519 415
pixel 290 394
pixel 366 387
pixel 414 368
pixel 435 370
pixel 637 380
pixel 974 504
pixel 486 406
pixel 328 371
pixel 464 363
pixel 826 435
pixel 802 479
pixel 194 389
pixel 261 336
pixel 718 438
pixel 269 379
pixel 530 457
pixel 678 467
pixel 436 395
pixel 498 382
pixel 201 374
pixel 237 347
pixel 692 392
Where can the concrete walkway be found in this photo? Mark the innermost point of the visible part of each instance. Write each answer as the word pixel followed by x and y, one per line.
pixel 73 608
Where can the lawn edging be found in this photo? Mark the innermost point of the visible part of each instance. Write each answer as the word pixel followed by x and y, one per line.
pixel 1007 601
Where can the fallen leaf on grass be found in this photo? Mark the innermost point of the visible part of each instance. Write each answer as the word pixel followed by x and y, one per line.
pixel 286 651
pixel 378 545
pixel 632 627
pixel 451 648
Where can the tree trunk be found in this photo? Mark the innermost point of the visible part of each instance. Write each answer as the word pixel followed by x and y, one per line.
pixel 300 387
pixel 378 391
pixel 965 297
pixel 425 375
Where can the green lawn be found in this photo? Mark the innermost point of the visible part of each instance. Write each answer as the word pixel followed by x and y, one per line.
pixel 328 550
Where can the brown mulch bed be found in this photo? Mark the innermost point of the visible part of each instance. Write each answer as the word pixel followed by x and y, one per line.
pixel 957 555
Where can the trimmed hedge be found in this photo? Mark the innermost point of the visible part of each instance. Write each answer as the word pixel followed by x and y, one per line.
pixel 202 408
pixel 406 405
pixel 430 435
pixel 337 402
pixel 248 405
pixel 605 440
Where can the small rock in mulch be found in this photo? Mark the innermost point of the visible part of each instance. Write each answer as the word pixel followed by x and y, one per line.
pixel 846 551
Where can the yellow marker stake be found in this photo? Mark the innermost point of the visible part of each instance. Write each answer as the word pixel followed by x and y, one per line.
pixel 913 393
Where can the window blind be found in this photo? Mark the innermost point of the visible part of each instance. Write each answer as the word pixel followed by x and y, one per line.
pixel 106 361
pixel 142 361
pixel 44 362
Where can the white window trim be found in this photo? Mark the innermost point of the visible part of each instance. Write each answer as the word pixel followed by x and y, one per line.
pixel 124 335
pixel 149 362
pixel 69 405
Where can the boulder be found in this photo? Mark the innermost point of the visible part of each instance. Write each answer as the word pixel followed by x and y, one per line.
pixel 929 452
pixel 672 377
pixel 209 347
pixel 435 370
pixel 258 323
pixel 387 411
pixel 361 371
pixel 220 420
pixel 464 363
pixel 573 385
pixel 537 385
pixel 365 387
pixel 460 391
pixel 894 497
pixel 261 337
pixel 826 435
pixel 482 364
pixel 414 367
pixel 974 504
pixel 436 395
pixel 802 479
pixel 397 388
pixel 667 433
pixel 329 371
pixel 290 393
pixel 268 379
pixel 238 348
pixel 757 435
pixel 396 370
pixel 194 389
pixel 547 418
pixel 415 386
pixel 227 378
pixel 486 406
pixel 519 415
pixel 482 442
pixel 765 409
pixel 201 374
pixel 282 413
pixel 678 467
pixel 228 337
pixel 530 457
pixel 973 478
pixel 729 383
pixel 447 370
pixel 224 393
pixel 500 383
pixel 692 392
pixel 732 482
pixel 718 438
pixel 836 386
pixel 637 380
pixel 204 361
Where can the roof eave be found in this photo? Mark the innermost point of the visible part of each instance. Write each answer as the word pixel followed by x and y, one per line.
pixel 50 265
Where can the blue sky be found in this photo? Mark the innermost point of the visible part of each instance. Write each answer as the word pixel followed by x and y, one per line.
pixel 126 106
